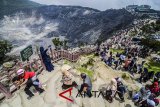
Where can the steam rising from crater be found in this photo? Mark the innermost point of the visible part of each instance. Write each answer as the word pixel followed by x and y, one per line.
pixel 24 30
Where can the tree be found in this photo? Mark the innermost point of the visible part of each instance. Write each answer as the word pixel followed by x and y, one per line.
pixel 5 47
pixel 56 42
pixel 153 44
pixel 65 44
pixel 151 28
pixel 157 27
pixel 80 44
pixel 158 22
pixel 99 42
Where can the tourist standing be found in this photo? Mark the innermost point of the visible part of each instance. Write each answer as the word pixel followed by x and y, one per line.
pixel 46 59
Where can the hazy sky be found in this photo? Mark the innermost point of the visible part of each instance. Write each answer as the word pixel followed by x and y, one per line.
pixel 101 4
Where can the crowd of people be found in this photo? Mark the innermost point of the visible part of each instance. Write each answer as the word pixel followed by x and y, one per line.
pixel 147 96
pixel 131 60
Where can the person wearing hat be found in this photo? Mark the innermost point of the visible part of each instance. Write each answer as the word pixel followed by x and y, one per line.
pixel 67 77
pixel 127 62
pixel 30 79
pixel 136 98
pixel 86 86
pixel 121 59
pixel 111 90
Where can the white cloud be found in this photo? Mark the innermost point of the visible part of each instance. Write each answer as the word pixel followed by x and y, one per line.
pixel 101 4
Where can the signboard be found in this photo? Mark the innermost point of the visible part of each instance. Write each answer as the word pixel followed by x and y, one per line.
pixel 26 53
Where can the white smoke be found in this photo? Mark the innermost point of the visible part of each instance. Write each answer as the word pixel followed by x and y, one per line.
pixel 24 30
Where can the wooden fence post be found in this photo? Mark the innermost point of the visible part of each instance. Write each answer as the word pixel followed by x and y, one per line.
pixel 51 52
pixel 70 57
pixel 53 56
pixel 36 64
pixel 62 54
pixel 73 57
pixel 59 55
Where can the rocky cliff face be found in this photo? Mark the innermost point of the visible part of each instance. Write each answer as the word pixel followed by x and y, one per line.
pixel 73 22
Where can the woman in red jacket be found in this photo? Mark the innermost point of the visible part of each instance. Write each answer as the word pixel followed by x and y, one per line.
pixel 155 89
pixel 30 79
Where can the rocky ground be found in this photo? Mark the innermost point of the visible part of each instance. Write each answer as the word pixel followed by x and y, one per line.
pixel 52 85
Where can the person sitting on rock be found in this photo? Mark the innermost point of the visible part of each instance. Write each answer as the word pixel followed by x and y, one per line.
pixel 157 77
pixel 116 63
pixel 67 78
pixel 154 98
pixel 102 54
pixel 86 87
pixel 144 92
pixel 132 65
pixel 127 62
pixel 147 103
pixel 110 60
pixel 155 89
pixel 121 90
pixel 111 90
pixel 121 58
pixel 143 76
pixel 30 79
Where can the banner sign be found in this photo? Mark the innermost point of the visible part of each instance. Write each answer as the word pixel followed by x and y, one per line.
pixel 26 53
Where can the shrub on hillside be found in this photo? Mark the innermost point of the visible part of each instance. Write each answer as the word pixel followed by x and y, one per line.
pixel 5 47
pixel 153 44
pixel 125 76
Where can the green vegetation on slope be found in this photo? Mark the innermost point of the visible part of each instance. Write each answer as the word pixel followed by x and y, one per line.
pixel 153 66
pixel 116 50
pixel 85 70
pixel 5 47
pixel 58 43
pixel 153 44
